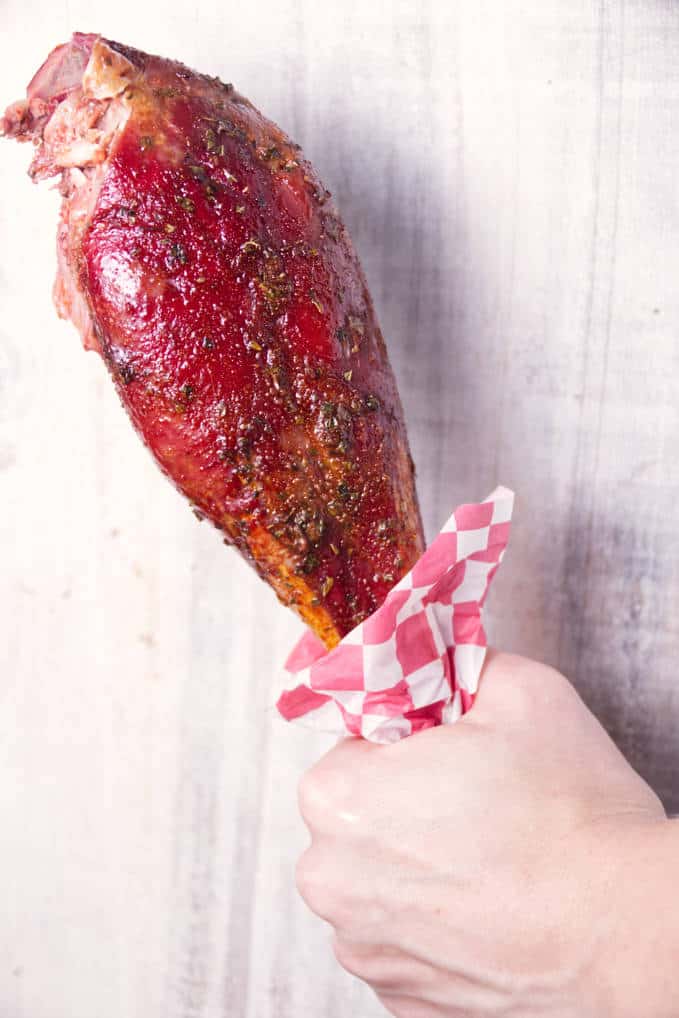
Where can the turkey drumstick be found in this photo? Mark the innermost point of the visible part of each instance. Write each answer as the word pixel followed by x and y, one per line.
pixel 200 255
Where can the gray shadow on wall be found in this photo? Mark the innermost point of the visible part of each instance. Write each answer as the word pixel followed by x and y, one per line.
pixel 618 631
pixel 596 612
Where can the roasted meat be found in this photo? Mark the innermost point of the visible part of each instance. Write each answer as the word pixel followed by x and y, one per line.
pixel 201 256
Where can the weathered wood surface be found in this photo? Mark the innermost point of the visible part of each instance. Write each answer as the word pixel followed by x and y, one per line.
pixel 509 173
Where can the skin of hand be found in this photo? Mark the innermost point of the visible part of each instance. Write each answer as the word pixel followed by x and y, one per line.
pixel 512 864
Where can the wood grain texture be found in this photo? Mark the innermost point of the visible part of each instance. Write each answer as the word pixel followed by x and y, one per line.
pixel 508 171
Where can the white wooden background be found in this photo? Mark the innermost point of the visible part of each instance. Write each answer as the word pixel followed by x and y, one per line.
pixel 509 172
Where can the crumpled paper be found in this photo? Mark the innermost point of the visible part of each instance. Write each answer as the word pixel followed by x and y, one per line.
pixel 416 661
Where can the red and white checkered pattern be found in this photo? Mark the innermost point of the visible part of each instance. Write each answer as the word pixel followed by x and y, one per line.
pixel 416 661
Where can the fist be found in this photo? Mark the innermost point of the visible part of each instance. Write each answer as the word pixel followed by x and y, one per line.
pixel 476 870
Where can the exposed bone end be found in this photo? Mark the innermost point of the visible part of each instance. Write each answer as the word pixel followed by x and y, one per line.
pixel 63 70
pixel 74 110
pixel 108 73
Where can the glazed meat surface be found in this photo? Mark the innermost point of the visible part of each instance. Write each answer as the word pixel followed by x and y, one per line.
pixel 200 255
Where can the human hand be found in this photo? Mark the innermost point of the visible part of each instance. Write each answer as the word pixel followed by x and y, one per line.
pixel 503 865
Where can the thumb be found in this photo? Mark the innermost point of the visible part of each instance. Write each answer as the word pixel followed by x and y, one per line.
pixel 512 687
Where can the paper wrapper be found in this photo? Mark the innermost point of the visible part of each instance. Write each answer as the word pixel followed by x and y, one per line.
pixel 415 663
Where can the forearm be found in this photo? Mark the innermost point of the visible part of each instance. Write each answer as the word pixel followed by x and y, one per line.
pixel 640 959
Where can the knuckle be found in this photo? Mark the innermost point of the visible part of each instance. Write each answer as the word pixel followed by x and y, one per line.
pixel 308 794
pixel 347 957
pixel 323 791
pixel 325 891
pixel 314 885
pixel 306 876
pixel 382 974
pixel 374 964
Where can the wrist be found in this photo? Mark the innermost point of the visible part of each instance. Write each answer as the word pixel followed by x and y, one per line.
pixel 638 969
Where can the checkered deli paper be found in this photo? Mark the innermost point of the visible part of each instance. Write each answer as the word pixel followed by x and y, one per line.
pixel 415 663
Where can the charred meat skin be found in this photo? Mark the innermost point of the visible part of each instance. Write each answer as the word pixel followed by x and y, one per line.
pixel 200 254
